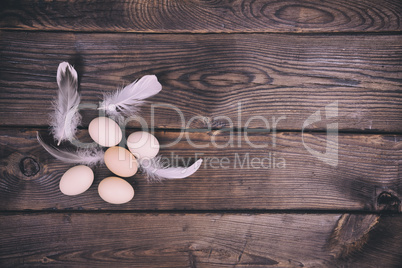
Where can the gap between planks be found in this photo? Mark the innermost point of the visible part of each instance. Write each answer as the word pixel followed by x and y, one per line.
pixel 295 33
pixel 235 130
pixel 208 212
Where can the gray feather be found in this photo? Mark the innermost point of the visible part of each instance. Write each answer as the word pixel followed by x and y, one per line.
pixel 80 156
pixel 156 172
pixel 65 119
pixel 126 101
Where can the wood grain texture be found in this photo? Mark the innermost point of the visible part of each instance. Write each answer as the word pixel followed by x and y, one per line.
pixel 188 240
pixel 351 234
pixel 202 16
pixel 280 176
pixel 282 63
pixel 217 80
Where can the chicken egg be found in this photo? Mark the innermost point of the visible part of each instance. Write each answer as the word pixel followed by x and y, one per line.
pixel 105 131
pixel 143 145
pixel 76 180
pixel 120 161
pixel 115 190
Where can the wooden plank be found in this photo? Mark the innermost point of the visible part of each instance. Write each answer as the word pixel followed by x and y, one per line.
pixel 282 175
pixel 191 240
pixel 213 80
pixel 201 16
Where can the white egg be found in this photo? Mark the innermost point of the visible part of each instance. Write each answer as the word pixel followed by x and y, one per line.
pixel 143 145
pixel 76 180
pixel 105 131
pixel 120 161
pixel 115 190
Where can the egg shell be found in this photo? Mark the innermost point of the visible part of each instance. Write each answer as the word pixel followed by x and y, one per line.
pixel 76 180
pixel 143 145
pixel 105 131
pixel 115 190
pixel 120 161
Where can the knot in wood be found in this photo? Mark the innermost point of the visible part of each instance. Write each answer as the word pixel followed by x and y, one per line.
pixel 29 167
pixel 388 201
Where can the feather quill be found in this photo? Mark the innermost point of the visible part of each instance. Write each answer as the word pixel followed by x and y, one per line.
pixel 126 101
pixel 155 172
pixel 80 156
pixel 65 119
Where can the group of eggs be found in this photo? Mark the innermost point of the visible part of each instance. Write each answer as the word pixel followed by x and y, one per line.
pixel 120 161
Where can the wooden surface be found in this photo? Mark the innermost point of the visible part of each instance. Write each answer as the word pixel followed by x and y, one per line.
pixel 195 240
pixel 277 76
pixel 287 178
pixel 283 61
pixel 197 16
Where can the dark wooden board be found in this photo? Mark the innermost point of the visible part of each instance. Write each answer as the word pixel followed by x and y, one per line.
pixel 198 240
pixel 283 61
pixel 202 16
pixel 368 169
pixel 236 76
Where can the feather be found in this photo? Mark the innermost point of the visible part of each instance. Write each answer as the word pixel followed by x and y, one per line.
pixel 155 171
pixel 65 119
pixel 81 156
pixel 126 101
